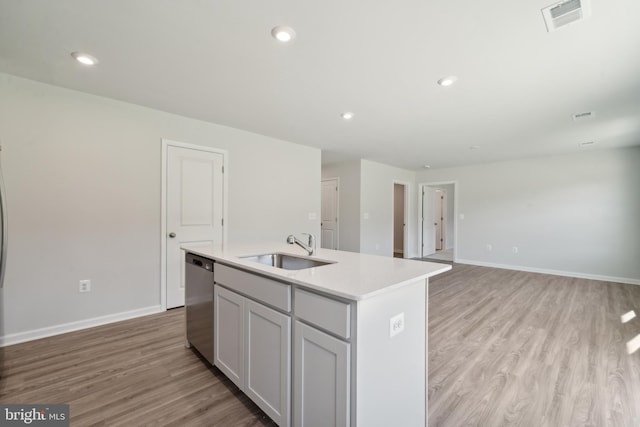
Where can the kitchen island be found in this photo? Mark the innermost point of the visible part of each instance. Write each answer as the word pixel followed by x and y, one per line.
pixel 340 343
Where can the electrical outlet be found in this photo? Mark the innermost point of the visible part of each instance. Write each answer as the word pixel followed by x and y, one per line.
pixel 489 247
pixel 85 286
pixel 515 249
pixel 396 325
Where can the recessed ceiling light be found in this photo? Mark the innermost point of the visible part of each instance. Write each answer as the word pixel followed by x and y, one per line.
pixel 427 166
pixel 84 58
pixel 347 115
pixel 474 147
pixel 283 33
pixel 447 81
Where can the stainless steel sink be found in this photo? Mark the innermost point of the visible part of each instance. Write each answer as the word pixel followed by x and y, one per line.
pixel 286 261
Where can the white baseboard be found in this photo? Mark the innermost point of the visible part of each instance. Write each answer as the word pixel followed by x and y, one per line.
pixel 49 331
pixel 554 272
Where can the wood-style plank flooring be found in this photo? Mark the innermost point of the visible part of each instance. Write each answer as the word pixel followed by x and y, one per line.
pixel 506 348
pixel 132 373
pixel 509 348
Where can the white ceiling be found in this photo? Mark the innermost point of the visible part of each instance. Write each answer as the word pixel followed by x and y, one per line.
pixel 518 85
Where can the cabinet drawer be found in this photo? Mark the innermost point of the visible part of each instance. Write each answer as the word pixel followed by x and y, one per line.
pixel 329 314
pixel 271 292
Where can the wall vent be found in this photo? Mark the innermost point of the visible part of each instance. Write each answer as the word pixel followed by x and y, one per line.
pixel 564 13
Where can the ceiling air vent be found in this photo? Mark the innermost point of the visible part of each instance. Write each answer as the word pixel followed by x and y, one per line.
pixel 564 13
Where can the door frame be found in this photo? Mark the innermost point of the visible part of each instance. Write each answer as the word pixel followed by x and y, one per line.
pixel 166 143
pixel 337 180
pixel 443 218
pixel 405 231
pixel 421 186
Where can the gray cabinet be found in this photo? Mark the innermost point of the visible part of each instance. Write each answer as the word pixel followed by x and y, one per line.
pixel 311 358
pixel 268 291
pixel 322 379
pixel 229 334
pixel 268 360
pixel 253 348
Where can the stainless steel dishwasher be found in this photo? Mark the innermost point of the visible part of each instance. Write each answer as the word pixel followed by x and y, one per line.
pixel 199 304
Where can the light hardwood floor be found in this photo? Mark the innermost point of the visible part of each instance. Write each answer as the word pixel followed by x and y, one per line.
pixel 509 348
pixel 505 348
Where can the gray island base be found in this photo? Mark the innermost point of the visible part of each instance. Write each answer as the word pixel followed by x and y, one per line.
pixel 342 343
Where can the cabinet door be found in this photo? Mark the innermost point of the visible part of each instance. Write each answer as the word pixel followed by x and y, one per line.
pixel 322 379
pixel 268 360
pixel 229 334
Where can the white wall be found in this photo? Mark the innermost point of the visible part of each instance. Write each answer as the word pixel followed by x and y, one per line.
pixel 376 232
pixel 82 175
pixel 368 187
pixel 573 214
pixel 348 203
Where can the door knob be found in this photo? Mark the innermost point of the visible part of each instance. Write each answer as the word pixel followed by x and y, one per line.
pixel 172 235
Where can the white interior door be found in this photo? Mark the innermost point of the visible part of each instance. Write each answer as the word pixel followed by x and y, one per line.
pixel 194 210
pixel 428 221
pixel 399 220
pixel 329 215
pixel 438 219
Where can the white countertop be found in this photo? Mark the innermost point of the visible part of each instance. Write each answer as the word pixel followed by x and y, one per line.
pixel 352 275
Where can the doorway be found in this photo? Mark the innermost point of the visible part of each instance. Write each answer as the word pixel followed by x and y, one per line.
pixel 440 219
pixel 399 220
pixel 438 231
pixel 329 213
pixel 193 210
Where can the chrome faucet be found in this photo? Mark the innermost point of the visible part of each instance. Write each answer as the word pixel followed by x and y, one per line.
pixel 310 247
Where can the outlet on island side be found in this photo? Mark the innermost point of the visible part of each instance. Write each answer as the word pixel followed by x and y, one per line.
pixel 396 325
pixel 85 286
